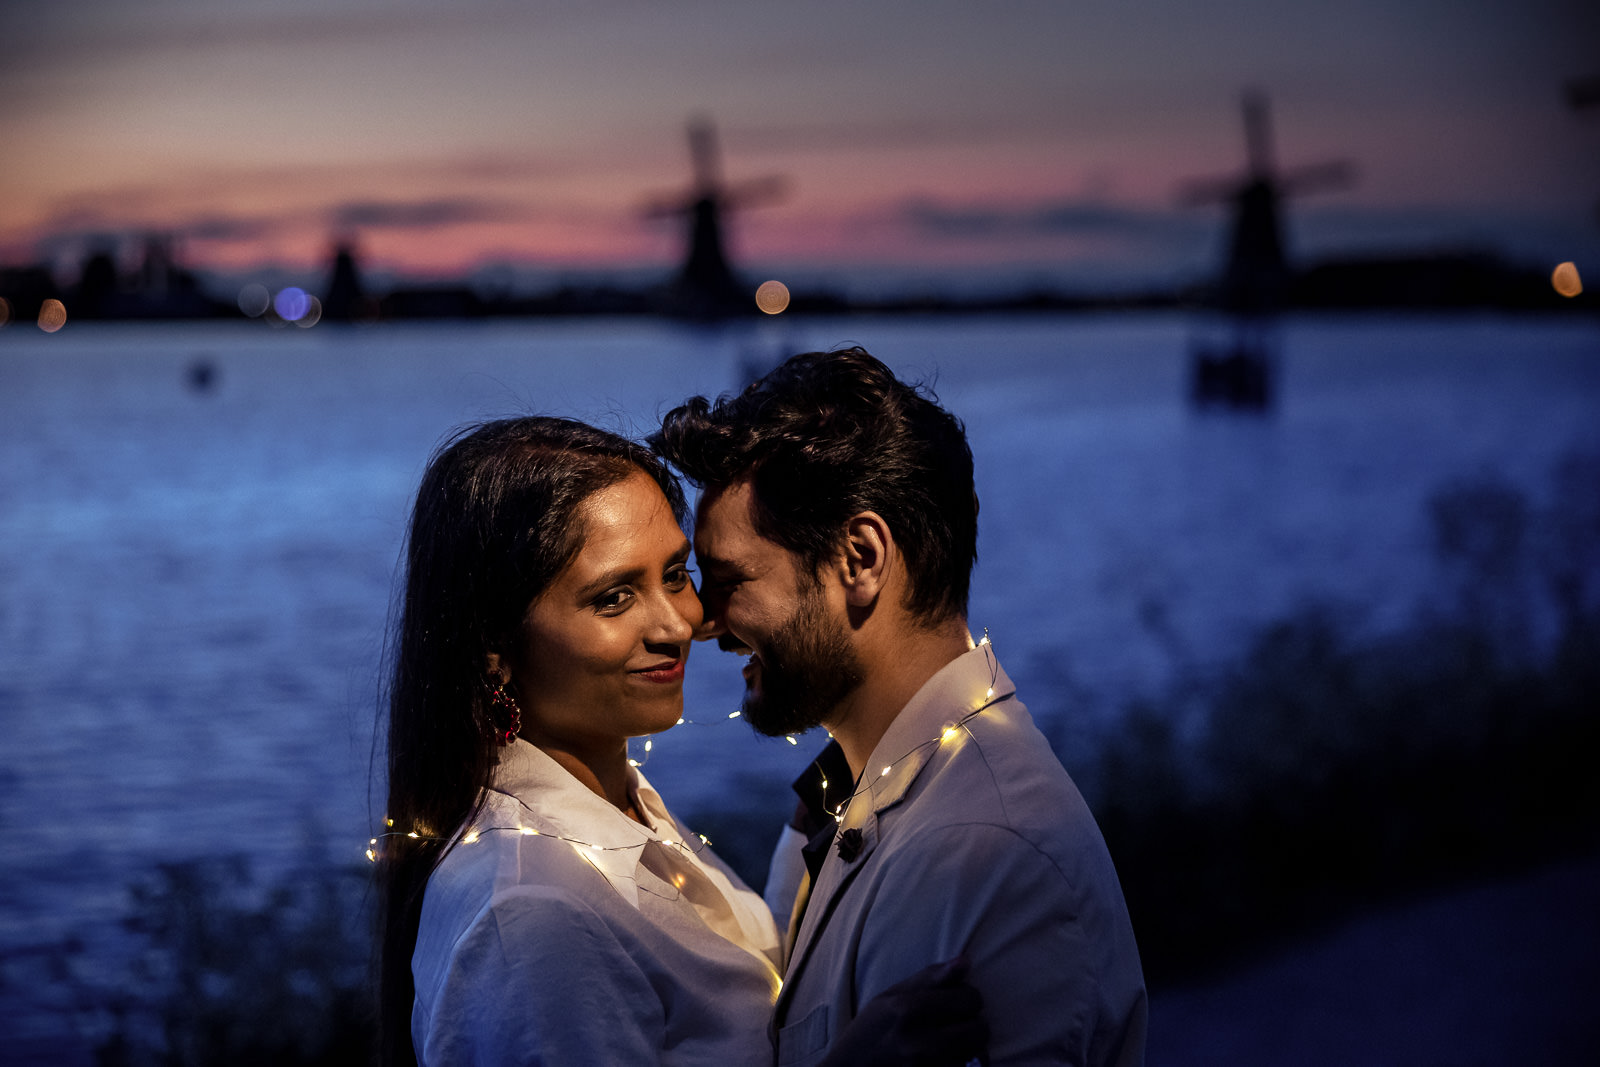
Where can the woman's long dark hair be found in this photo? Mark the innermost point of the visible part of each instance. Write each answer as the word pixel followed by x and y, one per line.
pixel 495 521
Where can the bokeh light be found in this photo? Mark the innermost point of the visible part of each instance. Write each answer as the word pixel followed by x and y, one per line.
pixel 254 299
pixel 52 316
pixel 772 297
pixel 1566 280
pixel 313 313
pixel 292 303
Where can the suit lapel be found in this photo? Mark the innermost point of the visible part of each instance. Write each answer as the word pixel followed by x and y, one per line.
pixel 832 882
pixel 926 726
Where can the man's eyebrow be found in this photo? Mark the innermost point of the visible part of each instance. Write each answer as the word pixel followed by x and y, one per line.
pixel 718 564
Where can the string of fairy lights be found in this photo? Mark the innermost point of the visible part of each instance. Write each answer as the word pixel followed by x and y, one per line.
pixel 863 784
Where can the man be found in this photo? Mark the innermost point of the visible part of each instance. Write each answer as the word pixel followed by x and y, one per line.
pixel 836 533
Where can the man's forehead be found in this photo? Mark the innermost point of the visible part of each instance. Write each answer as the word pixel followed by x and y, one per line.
pixel 722 511
pixel 724 528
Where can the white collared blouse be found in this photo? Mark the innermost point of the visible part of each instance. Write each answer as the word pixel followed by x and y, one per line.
pixel 558 930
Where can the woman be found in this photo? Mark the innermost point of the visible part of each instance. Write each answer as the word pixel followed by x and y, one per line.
pixel 567 917
pixel 540 904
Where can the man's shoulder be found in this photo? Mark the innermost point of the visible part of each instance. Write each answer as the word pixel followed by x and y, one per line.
pixel 997 767
pixel 997 779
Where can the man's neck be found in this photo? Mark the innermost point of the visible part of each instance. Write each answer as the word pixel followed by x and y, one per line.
pixel 893 674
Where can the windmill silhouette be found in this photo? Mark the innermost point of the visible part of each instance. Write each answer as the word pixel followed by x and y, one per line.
pixel 1255 276
pixel 705 286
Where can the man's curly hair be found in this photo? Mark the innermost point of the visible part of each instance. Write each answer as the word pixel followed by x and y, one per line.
pixel 826 435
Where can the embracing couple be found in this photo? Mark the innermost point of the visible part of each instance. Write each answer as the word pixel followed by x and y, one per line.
pixel 942 894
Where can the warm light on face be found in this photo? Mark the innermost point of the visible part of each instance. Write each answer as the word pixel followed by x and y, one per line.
pixel 52 316
pixel 772 297
pixel 1565 279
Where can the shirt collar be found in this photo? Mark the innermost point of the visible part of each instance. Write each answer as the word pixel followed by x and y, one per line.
pixel 931 719
pixel 546 799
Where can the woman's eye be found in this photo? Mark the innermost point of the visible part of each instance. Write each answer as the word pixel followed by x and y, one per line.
pixel 679 577
pixel 612 600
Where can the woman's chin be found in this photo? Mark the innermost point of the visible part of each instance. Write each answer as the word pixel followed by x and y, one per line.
pixel 657 723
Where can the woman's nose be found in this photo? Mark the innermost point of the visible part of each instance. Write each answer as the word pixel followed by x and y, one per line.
pixel 674 619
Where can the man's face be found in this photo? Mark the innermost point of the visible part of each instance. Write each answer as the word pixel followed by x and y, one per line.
pixel 759 600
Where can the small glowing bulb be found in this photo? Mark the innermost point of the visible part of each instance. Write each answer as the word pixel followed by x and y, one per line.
pixel 528 831
pixel 838 816
pixel 633 763
pixel 949 734
pixel 596 848
pixel 388 822
pixel 372 856
pixel 824 783
pixel 412 834
pixel 648 742
pixel 984 640
pixel 734 714
pixel 989 693
pixel 886 771
pixel 678 723
pixel 678 880
pixel 704 840
pixel 790 738
pixel 374 841
pixel 472 835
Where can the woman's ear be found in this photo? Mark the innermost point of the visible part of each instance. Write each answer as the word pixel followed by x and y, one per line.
pixel 868 560
pixel 496 668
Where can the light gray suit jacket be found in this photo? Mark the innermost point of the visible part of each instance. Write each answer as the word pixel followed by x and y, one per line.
pixel 973 840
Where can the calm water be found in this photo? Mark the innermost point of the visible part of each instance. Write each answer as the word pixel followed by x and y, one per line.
pixel 194 584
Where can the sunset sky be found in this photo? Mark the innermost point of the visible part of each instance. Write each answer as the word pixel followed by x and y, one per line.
pixel 916 139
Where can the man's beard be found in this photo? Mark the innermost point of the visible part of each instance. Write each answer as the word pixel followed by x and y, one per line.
pixel 807 669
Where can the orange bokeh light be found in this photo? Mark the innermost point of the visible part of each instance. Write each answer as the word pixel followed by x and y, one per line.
pixel 772 297
pixel 1566 280
pixel 52 316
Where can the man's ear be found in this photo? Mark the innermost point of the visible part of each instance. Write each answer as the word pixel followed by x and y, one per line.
pixel 869 558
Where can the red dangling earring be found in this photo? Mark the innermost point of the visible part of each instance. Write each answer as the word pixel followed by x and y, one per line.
pixel 502 706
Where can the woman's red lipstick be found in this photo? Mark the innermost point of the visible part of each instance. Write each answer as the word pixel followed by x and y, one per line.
pixel 665 674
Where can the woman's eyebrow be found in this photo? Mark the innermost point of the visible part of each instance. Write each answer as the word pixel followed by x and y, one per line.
pixel 625 574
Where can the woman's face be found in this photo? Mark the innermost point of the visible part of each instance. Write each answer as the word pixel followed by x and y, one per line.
pixel 603 648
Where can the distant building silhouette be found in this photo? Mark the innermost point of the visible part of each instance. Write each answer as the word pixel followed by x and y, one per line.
pixel 344 299
pixel 158 288
pixel 706 286
pixel 1256 272
pixel 25 289
pixel 1254 282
